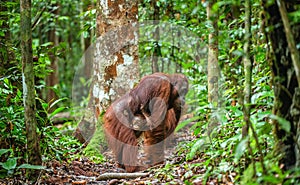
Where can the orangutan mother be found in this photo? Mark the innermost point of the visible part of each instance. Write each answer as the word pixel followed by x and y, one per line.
pixel 153 108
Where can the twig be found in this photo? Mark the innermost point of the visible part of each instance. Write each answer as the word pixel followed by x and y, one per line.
pixel 39 177
pixel 37 18
pixel 107 176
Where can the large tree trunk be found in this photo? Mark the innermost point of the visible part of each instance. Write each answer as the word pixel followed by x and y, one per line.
pixel 33 148
pixel 285 83
pixel 295 108
pixel 115 68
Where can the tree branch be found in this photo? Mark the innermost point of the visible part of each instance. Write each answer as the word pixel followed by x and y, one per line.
pixel 107 176
pixel 290 38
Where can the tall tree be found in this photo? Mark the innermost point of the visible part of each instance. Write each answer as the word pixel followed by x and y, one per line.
pixel 115 66
pixel 156 50
pixel 6 53
pixel 119 67
pixel 285 83
pixel 52 78
pixel 248 64
pixel 290 38
pixel 33 148
pixel 296 65
pixel 212 62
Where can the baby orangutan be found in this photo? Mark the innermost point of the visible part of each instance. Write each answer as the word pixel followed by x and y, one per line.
pixel 152 108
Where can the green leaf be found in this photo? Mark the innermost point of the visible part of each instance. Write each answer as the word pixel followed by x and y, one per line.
pixel 93 11
pixel 3 151
pixel 248 175
pixel 45 105
pixel 10 164
pixel 196 147
pixel 148 48
pixel 271 179
pixel 186 122
pixel 59 109
pixel 57 101
pixel 47 44
pixel 240 149
pixel 283 123
pixel 30 166
pixel 158 3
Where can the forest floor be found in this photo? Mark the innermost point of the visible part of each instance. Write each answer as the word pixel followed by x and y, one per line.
pixel 175 170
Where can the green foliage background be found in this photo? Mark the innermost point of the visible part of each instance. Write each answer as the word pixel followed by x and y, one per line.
pixel 224 153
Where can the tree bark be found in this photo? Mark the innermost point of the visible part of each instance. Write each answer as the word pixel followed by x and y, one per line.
pixel 285 82
pixel 115 67
pixel 7 56
pixel 290 38
pixel 52 78
pixel 156 50
pixel 295 111
pixel 33 148
pixel 118 70
pixel 248 62
pixel 212 65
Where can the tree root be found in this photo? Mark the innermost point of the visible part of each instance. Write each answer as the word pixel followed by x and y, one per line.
pixel 107 176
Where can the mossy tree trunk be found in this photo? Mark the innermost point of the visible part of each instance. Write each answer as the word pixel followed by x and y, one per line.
pixel 285 83
pixel 248 62
pixel 33 148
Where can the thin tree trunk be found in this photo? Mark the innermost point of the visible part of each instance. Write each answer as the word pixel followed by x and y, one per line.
pixel 6 55
pixel 92 32
pixel 290 38
pixel 212 65
pixel 248 63
pixel 162 65
pixel 33 148
pixel 52 78
pixel 82 43
pixel 156 51
pixel 177 65
pixel 86 42
pixel 7 59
